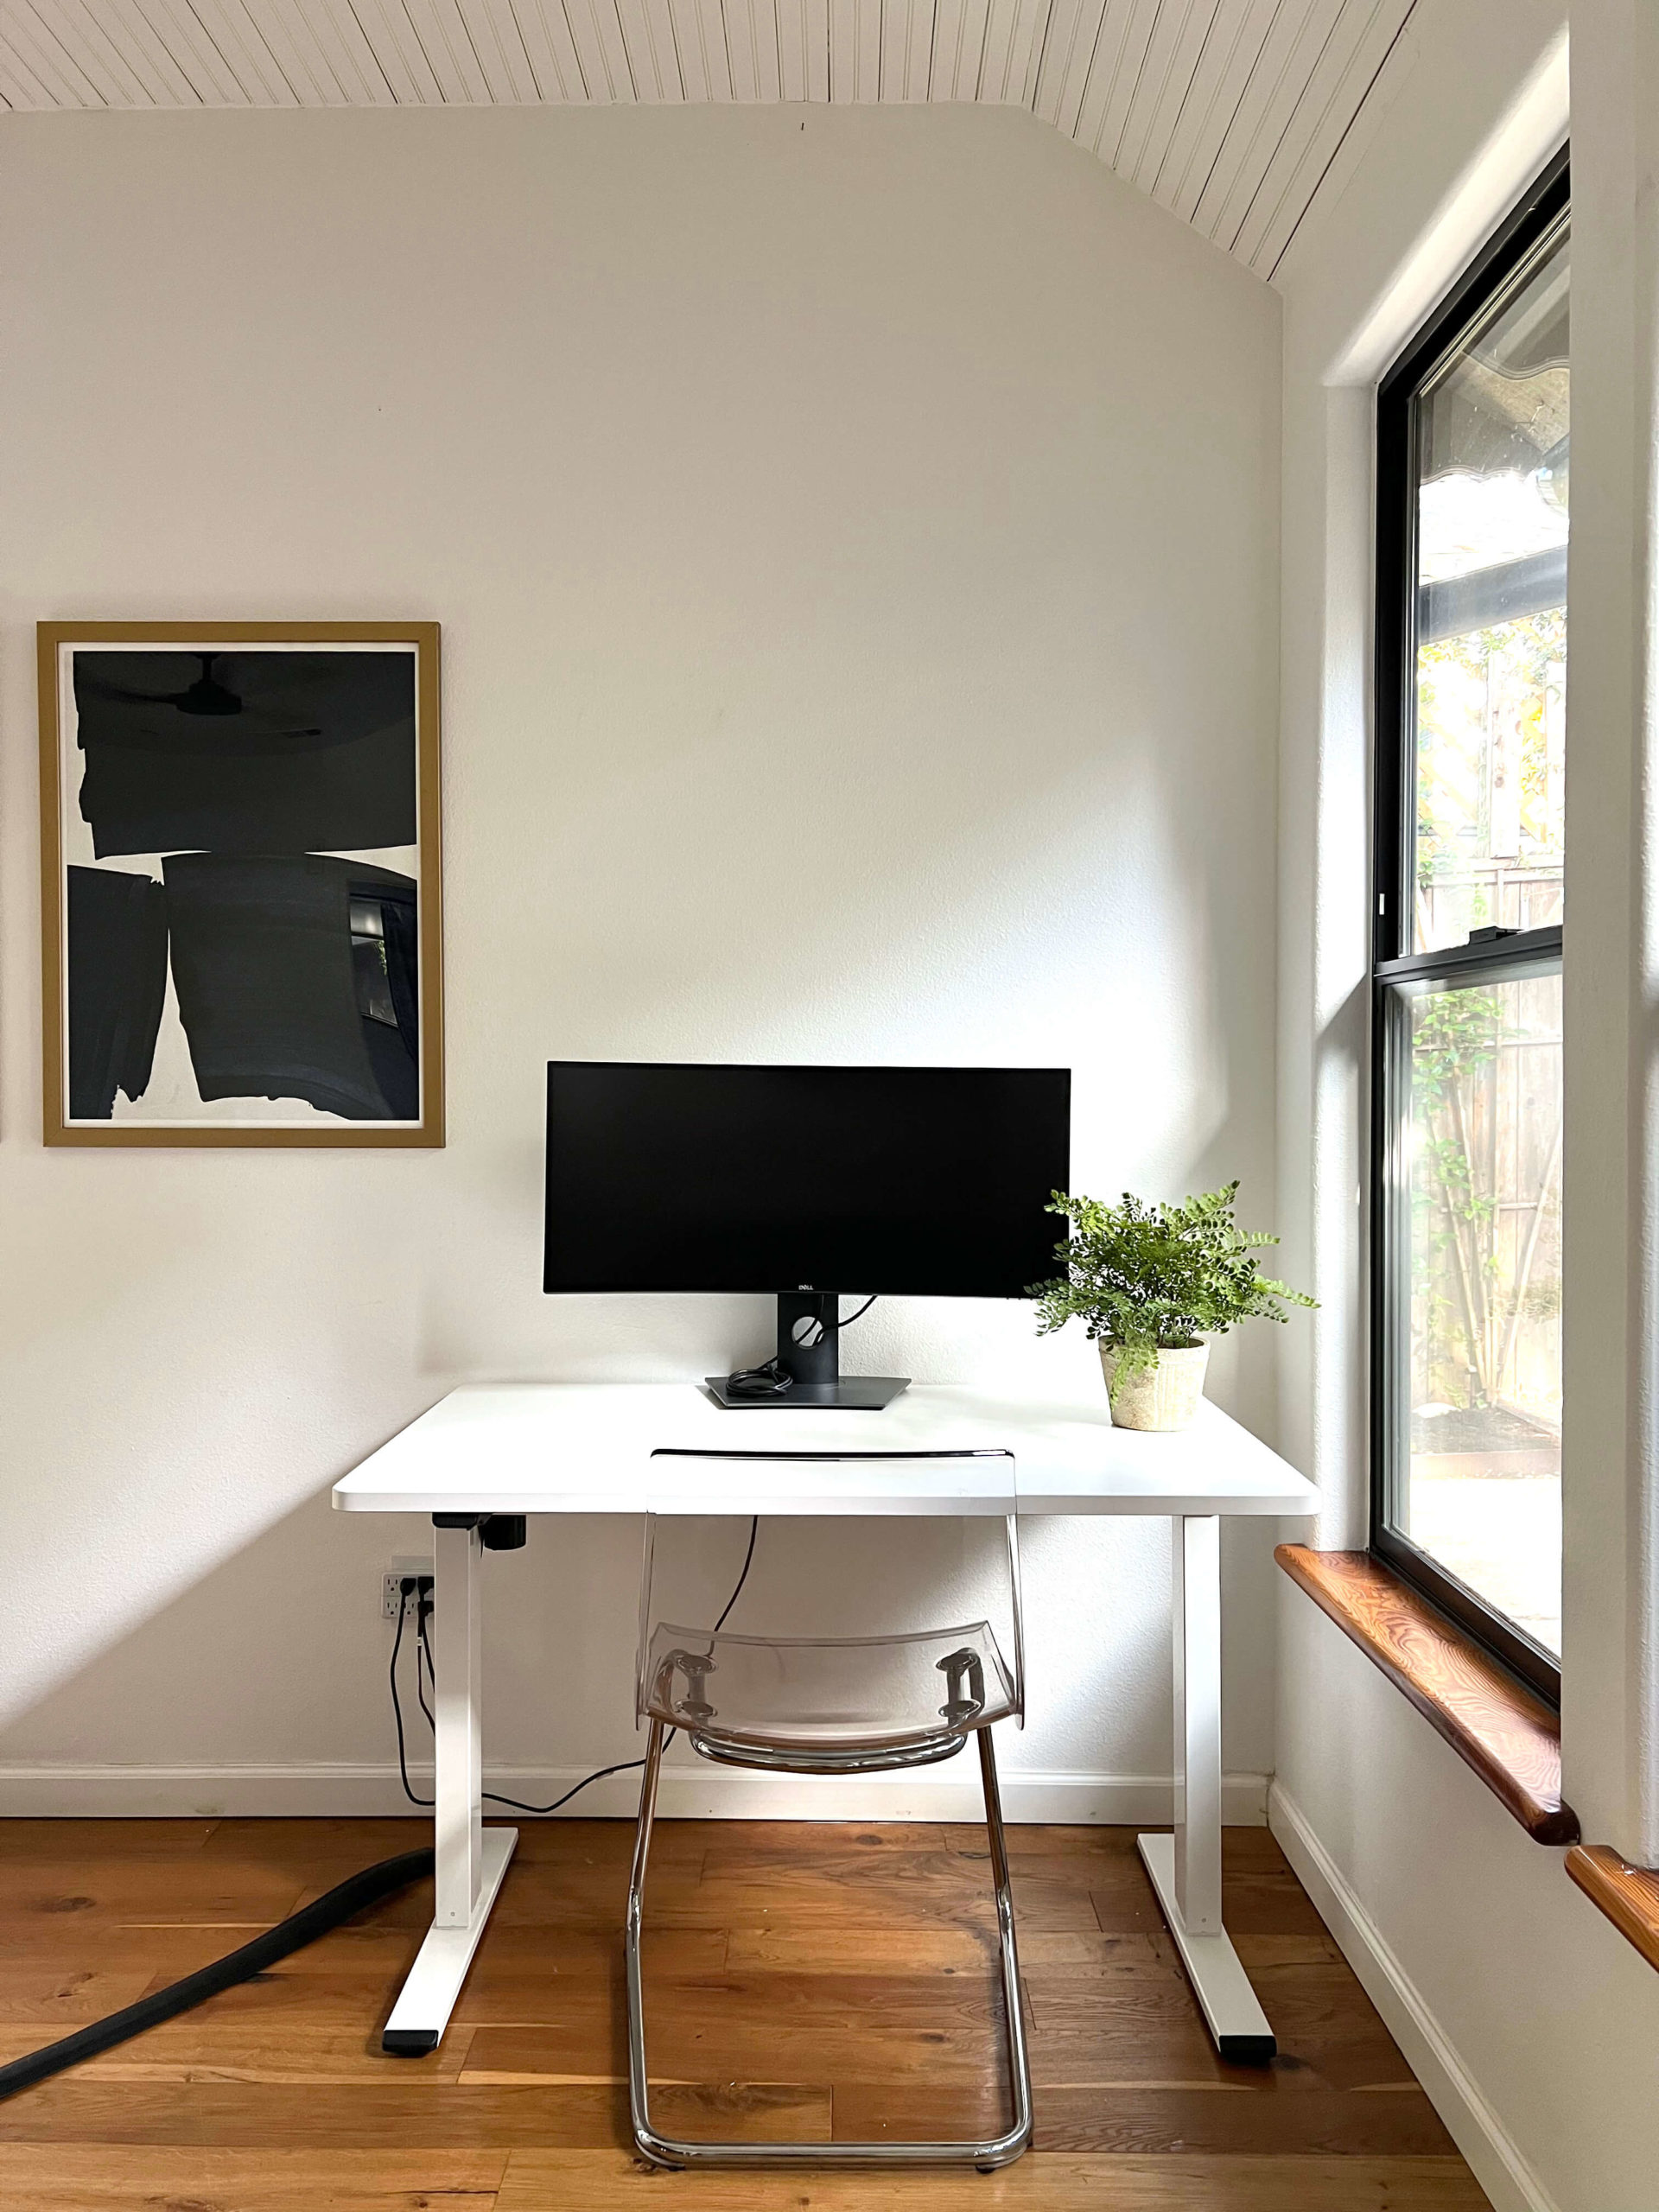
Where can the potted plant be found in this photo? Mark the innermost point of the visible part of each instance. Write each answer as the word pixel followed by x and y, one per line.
pixel 1150 1282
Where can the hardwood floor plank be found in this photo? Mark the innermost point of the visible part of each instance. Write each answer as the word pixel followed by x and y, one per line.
pixel 602 2181
pixel 65 1996
pixel 52 1842
pixel 740 2111
pixel 202 2048
pixel 1318 2122
pixel 1217 2118
pixel 72 2178
pixel 414 2114
pixel 870 1950
pixel 143 1892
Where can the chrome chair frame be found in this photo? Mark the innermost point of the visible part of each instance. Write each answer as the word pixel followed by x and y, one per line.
pixel 986 2153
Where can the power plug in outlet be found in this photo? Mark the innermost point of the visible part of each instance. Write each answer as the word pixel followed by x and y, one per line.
pixel 392 1587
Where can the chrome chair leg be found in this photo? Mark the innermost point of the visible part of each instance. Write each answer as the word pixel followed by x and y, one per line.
pixel 988 2152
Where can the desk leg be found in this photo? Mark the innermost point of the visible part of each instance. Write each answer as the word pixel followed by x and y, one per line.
pixel 1186 1867
pixel 470 1859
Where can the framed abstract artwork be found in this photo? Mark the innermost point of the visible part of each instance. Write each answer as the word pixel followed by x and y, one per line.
pixel 240 883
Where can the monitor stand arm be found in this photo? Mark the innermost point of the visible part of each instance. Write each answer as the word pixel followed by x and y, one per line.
pixel 809 1350
pixel 809 1336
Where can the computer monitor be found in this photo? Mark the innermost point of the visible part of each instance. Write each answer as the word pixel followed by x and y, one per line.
pixel 805 1182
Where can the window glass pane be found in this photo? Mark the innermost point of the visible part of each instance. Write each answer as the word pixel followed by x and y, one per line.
pixel 1491 492
pixel 1483 1165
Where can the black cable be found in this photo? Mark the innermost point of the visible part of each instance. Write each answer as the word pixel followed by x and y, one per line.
pixel 405 1591
pixel 851 1317
pixel 626 1766
pixel 423 1667
pixel 494 1797
pixel 754 1524
pixel 772 1375
pixel 327 1912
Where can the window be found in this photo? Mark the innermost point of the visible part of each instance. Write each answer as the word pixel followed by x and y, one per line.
pixel 1473 428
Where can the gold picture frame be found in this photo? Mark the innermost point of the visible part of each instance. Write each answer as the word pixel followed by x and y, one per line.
pixel 190 895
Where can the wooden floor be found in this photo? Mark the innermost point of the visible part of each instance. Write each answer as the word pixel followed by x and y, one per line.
pixel 802 1981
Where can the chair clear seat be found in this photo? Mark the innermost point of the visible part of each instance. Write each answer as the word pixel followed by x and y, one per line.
pixel 858 1700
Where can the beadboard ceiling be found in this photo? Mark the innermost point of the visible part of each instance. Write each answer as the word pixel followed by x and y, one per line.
pixel 1229 111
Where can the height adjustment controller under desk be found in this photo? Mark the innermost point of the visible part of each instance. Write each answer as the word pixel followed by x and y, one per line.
pixel 486 1455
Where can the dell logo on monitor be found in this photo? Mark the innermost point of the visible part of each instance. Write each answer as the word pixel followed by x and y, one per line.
pixel 805 1285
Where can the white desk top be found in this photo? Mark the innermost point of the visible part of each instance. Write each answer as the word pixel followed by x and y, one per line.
pixel 618 1447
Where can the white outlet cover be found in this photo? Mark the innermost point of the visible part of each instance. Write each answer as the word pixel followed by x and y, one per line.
pixel 390 1580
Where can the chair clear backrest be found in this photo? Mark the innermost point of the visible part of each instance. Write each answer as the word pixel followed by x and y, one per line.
pixel 847 1630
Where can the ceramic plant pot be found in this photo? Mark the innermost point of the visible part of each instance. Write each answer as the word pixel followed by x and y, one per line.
pixel 1165 1396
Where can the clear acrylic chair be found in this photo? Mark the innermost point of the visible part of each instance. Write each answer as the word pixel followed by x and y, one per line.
pixel 822 1671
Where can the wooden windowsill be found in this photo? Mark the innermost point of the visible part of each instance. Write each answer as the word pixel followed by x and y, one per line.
pixel 1628 1895
pixel 1510 1737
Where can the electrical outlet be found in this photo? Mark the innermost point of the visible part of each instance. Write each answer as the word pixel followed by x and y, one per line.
pixel 389 1589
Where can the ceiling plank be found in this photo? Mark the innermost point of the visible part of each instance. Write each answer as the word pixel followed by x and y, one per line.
pixel 815 37
pixel 176 89
pixel 685 25
pixel 947 46
pixel 842 43
pixel 551 51
pixel 768 72
pixel 918 67
pixel 199 82
pixel 1270 120
pixel 645 64
pixel 1002 17
pixel 1025 51
pixel 1095 45
pixel 1288 56
pixel 1303 90
pixel 449 51
pixel 1320 125
pixel 94 64
pixel 895 48
pixel 503 54
pixel 596 31
pixel 239 40
pixel 737 18
pixel 791 50
pixel 25 89
pixel 716 49
pixel 1236 38
pixel 1119 54
pixel 330 34
pixel 1171 67
pixel 98 34
pixel 387 34
pixel 970 51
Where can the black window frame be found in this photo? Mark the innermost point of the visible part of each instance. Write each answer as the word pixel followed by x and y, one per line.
pixel 1497 959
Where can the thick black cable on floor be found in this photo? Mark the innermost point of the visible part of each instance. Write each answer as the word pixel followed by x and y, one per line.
pixel 300 1928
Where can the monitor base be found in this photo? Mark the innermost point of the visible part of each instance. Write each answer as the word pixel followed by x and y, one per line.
pixel 860 1394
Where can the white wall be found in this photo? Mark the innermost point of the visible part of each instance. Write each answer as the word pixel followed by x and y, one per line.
pixel 855 534
pixel 1531 2021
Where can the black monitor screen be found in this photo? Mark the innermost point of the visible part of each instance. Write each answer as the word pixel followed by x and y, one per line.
pixel 930 1181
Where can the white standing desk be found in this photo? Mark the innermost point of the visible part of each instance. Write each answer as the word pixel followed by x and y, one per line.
pixel 582 1447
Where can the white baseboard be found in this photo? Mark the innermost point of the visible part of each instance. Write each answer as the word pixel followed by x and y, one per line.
pixel 1494 2157
pixel 698 1792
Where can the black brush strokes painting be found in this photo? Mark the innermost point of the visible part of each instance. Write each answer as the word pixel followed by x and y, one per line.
pixel 246 752
pixel 239 777
pixel 268 986
pixel 118 982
